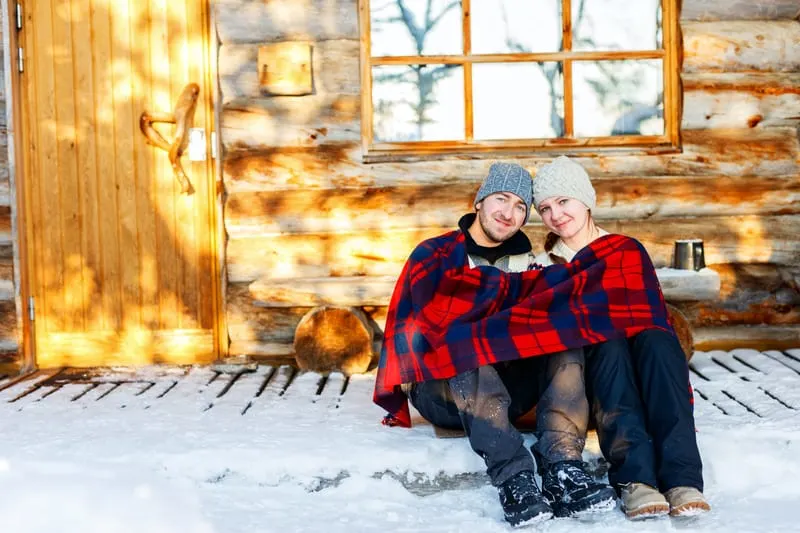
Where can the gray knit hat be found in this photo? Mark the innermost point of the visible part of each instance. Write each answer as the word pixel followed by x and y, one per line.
pixel 563 177
pixel 507 177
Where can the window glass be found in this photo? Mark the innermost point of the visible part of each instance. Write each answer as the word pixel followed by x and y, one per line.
pixel 518 100
pixel 618 98
pixel 415 27
pixel 418 103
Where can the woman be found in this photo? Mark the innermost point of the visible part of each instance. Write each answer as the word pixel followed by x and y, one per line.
pixel 638 387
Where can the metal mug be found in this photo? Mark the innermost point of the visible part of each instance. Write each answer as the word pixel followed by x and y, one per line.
pixel 689 254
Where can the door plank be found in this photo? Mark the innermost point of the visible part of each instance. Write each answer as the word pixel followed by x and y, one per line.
pixel 186 265
pixel 122 48
pixel 198 169
pixel 106 174
pixel 87 163
pixel 48 166
pixel 32 196
pixel 66 142
pixel 208 302
pixel 145 172
pixel 165 183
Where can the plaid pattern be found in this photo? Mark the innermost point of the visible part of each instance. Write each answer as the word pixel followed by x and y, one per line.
pixel 446 318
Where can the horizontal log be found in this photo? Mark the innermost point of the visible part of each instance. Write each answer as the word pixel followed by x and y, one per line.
pixel 711 101
pixel 6 242
pixel 442 204
pixel 249 321
pixel 735 100
pixel 739 46
pixel 750 294
pixel 736 152
pixel 724 338
pixel 361 291
pixel 334 66
pixel 348 291
pixel 269 122
pixel 730 239
pixel 754 337
pixel 8 327
pixel 263 351
pixel 248 21
pixel 709 10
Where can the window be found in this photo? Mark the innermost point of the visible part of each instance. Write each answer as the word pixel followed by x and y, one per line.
pixel 489 76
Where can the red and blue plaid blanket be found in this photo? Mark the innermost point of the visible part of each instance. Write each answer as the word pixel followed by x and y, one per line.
pixel 446 318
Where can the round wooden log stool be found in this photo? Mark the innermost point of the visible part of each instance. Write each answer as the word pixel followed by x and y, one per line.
pixel 333 339
pixel 683 329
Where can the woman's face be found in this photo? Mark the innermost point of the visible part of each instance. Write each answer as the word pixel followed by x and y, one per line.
pixel 564 216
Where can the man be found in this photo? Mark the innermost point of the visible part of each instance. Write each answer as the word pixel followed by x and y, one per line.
pixel 487 400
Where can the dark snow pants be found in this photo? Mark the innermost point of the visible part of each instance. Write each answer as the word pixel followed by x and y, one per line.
pixel 486 401
pixel 641 400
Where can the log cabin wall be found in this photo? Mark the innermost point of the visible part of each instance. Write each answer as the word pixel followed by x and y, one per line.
pixel 8 308
pixel 301 204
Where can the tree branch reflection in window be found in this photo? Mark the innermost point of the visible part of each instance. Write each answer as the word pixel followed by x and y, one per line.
pixel 517 70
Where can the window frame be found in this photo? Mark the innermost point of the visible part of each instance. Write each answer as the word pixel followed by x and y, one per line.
pixel 669 142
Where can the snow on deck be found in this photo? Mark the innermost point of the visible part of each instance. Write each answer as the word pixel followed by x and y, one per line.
pixel 229 449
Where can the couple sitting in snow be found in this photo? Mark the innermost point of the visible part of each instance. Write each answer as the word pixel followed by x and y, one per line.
pixel 479 331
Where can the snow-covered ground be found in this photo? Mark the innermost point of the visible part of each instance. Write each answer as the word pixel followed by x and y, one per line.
pixel 169 458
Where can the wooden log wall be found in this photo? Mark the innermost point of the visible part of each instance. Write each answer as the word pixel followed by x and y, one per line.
pixel 8 310
pixel 301 204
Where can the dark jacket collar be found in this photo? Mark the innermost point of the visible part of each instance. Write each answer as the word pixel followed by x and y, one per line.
pixel 517 244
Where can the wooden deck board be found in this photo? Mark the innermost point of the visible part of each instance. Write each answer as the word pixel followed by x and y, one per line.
pixel 730 387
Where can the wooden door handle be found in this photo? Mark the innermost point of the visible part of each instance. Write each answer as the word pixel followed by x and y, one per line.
pixel 183 118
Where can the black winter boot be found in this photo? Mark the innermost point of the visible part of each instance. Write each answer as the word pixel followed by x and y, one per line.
pixel 522 501
pixel 571 491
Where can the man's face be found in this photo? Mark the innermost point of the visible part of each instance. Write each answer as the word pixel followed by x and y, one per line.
pixel 500 216
pixel 564 216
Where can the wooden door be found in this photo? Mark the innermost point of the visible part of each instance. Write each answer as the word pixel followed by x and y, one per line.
pixel 123 267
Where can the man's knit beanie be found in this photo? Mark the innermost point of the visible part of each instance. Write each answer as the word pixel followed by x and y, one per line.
pixel 563 177
pixel 507 177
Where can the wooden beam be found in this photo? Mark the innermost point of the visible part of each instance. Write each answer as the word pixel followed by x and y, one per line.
pixel 724 338
pixel 758 84
pixel 518 57
pixel 248 321
pixel 245 21
pixel 741 100
pixel 259 123
pixel 740 46
pixel 729 239
pixel 441 205
pixel 715 10
pixel 348 291
pixel 750 294
pixel 9 335
pixel 737 152
pixel 758 337
pixel 362 291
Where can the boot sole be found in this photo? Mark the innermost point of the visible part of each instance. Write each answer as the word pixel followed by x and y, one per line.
pixel 601 507
pixel 690 509
pixel 531 515
pixel 535 519
pixel 648 511
pixel 602 503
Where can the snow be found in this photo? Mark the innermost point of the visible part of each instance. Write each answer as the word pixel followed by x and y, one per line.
pixel 178 457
